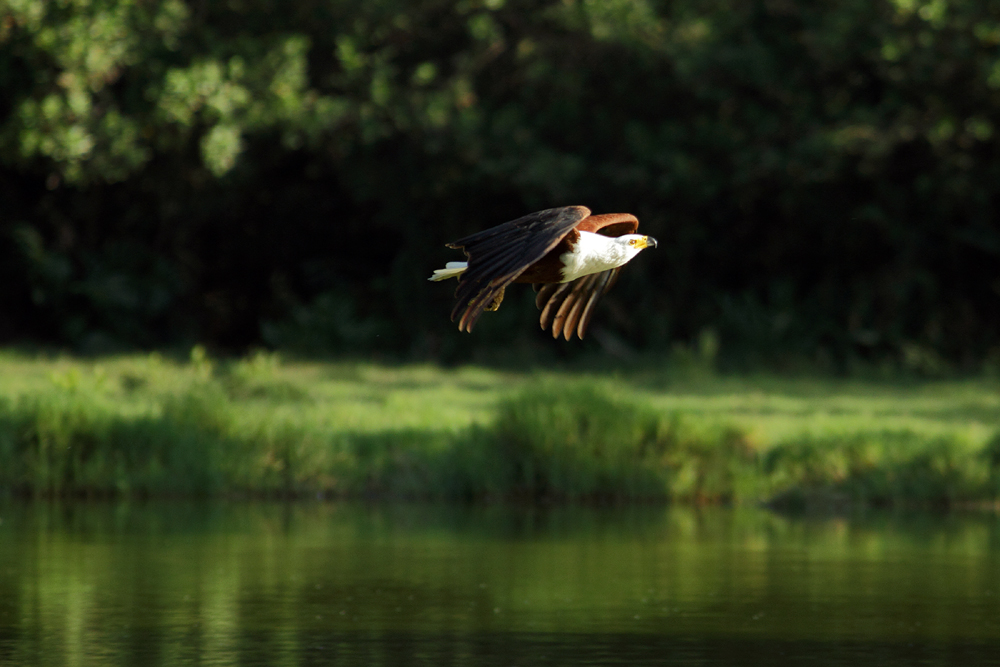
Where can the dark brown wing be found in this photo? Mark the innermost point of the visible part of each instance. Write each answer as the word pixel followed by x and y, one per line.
pixel 567 307
pixel 500 254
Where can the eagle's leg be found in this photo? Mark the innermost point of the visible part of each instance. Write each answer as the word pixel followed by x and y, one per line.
pixel 496 300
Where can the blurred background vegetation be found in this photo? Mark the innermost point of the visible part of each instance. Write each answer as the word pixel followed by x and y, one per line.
pixel 821 175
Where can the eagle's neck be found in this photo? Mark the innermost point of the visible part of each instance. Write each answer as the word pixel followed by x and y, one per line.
pixel 592 253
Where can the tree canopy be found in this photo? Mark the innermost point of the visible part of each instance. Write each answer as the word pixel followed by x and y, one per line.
pixel 821 174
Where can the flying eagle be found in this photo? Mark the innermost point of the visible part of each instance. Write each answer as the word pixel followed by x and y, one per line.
pixel 570 256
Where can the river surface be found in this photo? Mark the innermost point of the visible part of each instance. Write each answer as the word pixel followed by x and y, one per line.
pixel 346 584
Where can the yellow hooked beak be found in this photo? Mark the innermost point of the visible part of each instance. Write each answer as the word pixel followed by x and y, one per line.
pixel 646 242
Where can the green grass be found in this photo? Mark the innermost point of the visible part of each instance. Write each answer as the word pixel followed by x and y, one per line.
pixel 151 426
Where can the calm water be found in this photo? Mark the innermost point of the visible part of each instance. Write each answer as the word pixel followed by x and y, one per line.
pixel 322 584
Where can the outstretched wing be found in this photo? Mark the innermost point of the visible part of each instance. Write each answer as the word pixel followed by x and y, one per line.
pixel 567 307
pixel 500 254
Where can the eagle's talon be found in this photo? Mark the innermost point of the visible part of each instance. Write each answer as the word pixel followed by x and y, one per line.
pixel 496 300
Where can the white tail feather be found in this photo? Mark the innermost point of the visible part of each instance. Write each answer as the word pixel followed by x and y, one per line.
pixel 451 270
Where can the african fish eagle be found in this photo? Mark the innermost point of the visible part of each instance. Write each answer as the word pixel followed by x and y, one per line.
pixel 570 256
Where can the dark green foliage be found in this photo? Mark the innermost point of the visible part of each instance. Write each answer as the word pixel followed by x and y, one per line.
pixel 821 175
pixel 576 442
pixel 881 469
pixel 68 445
pixel 991 453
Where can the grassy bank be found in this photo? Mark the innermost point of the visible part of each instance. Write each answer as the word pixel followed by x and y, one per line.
pixel 150 426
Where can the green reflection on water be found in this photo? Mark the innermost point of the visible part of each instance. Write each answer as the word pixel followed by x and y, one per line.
pixel 290 584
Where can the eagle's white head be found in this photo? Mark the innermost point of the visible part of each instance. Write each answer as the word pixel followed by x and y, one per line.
pixel 632 244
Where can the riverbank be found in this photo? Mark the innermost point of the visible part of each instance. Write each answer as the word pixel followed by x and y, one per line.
pixel 149 426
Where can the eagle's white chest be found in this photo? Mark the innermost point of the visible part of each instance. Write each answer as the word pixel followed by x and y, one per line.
pixel 593 253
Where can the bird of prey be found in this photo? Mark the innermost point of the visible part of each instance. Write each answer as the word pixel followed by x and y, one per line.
pixel 570 256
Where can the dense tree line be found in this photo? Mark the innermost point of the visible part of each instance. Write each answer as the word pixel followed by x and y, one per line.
pixel 822 175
